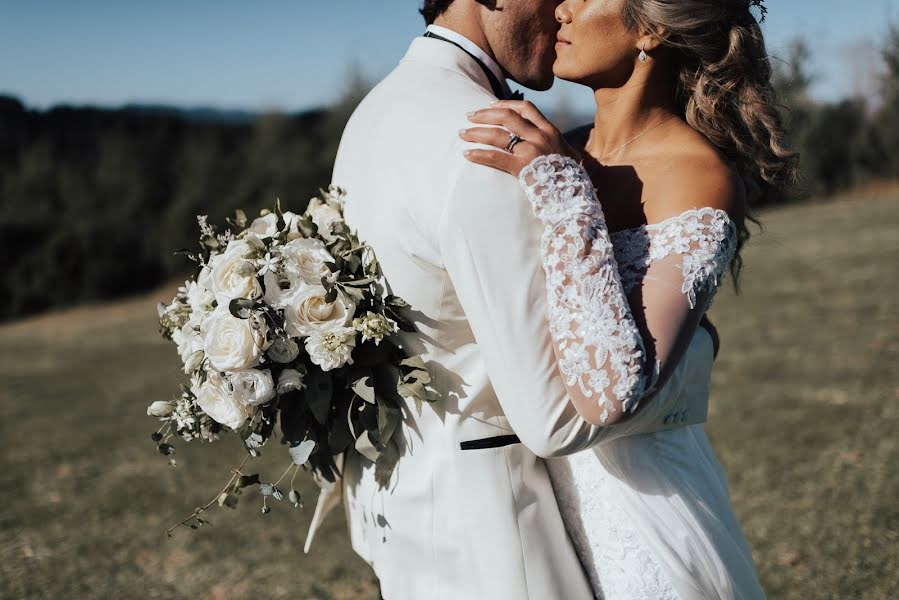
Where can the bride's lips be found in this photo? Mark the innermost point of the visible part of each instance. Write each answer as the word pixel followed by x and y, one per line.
pixel 561 42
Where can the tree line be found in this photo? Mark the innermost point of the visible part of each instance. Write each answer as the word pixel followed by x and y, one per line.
pixel 94 202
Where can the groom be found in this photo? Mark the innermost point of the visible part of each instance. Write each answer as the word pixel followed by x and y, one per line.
pixel 470 510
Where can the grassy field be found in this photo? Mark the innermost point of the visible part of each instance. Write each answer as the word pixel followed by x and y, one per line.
pixel 805 415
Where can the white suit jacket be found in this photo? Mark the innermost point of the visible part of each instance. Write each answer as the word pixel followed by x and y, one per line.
pixel 460 243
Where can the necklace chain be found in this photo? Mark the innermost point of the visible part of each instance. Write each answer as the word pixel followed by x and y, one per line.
pixel 631 141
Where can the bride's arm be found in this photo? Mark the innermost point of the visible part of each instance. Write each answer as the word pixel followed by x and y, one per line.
pixel 612 355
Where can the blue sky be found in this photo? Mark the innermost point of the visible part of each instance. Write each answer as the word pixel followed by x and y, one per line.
pixel 294 54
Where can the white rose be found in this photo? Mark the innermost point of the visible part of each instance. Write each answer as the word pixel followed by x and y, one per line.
pixel 307 312
pixel 283 351
pixel 217 401
pixel 204 279
pixel 252 387
pixel 199 298
pixel 323 215
pixel 306 259
pixel 234 271
pixel 161 408
pixel 291 380
pixel 331 349
pixel 190 347
pixel 278 288
pixel 293 225
pixel 232 344
pixel 266 226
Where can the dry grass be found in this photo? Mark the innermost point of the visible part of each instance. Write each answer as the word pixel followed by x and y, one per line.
pixel 806 396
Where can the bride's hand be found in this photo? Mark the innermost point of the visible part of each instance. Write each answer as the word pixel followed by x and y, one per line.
pixel 538 136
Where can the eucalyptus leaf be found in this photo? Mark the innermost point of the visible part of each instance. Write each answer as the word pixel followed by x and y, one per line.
pixel 240 308
pixel 364 389
pixel 416 362
pixel 396 302
pixel 229 500
pixel 300 454
pixel 247 480
pixel 269 489
pixel 366 448
pixel 388 420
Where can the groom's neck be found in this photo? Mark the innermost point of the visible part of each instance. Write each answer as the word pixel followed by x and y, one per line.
pixel 465 20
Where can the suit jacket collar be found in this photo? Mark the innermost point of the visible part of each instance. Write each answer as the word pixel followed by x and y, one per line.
pixel 447 56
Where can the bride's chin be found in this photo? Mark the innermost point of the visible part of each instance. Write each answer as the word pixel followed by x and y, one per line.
pixel 564 74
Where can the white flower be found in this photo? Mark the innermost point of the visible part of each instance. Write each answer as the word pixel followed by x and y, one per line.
pixel 292 221
pixel 268 263
pixel 280 287
pixel 331 349
pixel 232 344
pixel 306 311
pixel 199 297
pixel 283 351
pixel 252 387
pixel 266 226
pixel 305 258
pixel 323 215
pixel 234 272
pixel 215 398
pixel 161 408
pixel 190 347
pixel 290 380
pixel 374 326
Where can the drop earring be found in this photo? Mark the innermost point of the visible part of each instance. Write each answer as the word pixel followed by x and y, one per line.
pixel 643 56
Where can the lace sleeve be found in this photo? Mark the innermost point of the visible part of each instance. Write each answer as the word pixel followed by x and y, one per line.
pixel 607 363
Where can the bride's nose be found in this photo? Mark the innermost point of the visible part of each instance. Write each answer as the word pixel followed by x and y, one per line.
pixel 563 13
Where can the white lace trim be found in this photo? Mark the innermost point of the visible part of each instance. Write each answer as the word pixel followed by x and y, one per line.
pixel 600 347
pixel 706 236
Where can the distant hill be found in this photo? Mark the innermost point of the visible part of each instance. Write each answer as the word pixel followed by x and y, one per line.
pixel 202 114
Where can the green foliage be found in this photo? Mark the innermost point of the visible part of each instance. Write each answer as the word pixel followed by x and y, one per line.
pixel 841 144
pixel 94 202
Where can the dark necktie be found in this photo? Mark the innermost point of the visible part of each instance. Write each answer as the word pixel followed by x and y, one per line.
pixel 497 87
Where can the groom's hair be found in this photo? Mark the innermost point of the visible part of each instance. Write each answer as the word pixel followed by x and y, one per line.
pixel 433 9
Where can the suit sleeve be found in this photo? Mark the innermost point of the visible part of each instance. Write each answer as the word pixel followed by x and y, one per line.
pixel 490 243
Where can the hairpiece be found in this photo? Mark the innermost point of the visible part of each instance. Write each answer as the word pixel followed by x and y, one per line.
pixel 761 6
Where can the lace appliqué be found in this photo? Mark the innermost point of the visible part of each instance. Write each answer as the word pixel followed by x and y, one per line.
pixel 615 557
pixel 600 347
pixel 706 236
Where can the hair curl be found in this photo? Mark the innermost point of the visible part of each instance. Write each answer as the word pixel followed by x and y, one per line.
pixel 433 9
pixel 724 89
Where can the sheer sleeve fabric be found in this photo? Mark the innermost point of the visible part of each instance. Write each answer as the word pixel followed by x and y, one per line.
pixel 613 338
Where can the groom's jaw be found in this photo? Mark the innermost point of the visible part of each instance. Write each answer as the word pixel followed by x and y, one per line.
pixel 519 34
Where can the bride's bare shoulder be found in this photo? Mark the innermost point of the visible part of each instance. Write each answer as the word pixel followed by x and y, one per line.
pixel 693 176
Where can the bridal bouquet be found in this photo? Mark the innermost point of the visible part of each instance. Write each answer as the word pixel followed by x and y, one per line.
pixel 287 321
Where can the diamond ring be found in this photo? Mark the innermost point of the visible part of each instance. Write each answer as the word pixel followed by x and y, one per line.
pixel 513 139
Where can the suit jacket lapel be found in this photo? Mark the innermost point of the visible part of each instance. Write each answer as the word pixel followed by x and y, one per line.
pixel 448 56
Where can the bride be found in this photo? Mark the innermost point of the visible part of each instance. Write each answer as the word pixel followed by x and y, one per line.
pixel 644 211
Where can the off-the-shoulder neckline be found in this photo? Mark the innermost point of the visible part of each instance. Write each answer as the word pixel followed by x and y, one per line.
pixel 701 210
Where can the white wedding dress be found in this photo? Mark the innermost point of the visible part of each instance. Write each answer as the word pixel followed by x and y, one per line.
pixel 649 514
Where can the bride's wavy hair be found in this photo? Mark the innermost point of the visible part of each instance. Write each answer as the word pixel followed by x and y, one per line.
pixel 724 90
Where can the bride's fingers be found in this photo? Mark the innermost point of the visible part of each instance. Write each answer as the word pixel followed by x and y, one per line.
pixel 528 111
pixel 492 136
pixel 498 160
pixel 509 119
